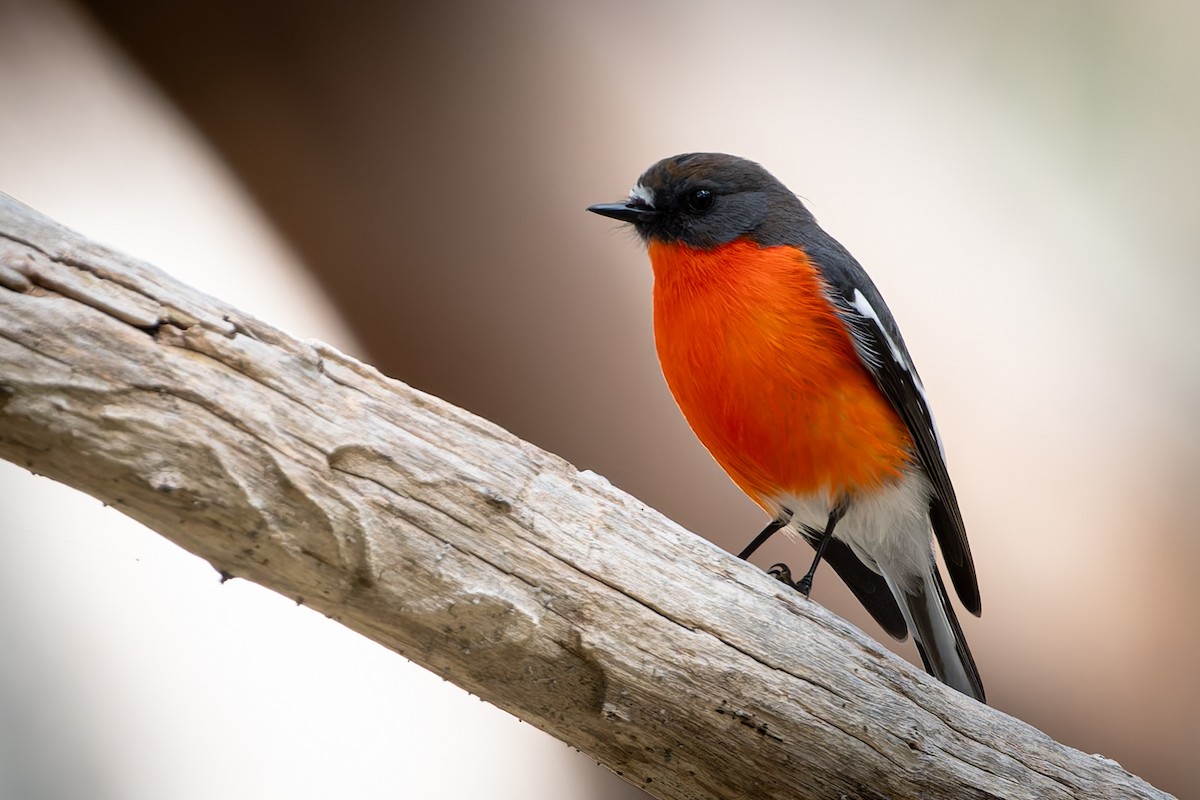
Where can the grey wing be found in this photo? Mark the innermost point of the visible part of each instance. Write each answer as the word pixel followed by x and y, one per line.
pixel 880 347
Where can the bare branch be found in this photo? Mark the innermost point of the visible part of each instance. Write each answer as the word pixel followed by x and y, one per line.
pixel 496 565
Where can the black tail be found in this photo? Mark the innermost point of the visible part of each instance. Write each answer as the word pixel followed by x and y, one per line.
pixel 939 637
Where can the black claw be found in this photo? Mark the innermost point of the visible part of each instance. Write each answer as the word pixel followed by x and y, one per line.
pixel 781 573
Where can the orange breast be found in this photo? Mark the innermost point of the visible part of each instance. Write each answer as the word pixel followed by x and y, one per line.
pixel 766 374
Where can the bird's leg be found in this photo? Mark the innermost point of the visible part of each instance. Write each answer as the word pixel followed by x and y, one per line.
pixel 782 572
pixel 804 585
pixel 767 532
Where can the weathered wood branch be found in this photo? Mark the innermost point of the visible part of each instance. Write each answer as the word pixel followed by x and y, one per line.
pixel 496 565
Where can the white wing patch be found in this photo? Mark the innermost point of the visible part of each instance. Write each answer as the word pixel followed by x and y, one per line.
pixel 863 306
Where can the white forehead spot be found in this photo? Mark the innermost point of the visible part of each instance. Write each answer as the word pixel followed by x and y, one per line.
pixel 640 192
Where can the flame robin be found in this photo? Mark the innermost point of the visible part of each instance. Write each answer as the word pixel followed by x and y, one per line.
pixel 790 369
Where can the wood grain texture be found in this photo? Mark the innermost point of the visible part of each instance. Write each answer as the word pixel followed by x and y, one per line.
pixel 541 589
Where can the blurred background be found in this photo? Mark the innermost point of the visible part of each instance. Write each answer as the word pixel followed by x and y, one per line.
pixel 407 181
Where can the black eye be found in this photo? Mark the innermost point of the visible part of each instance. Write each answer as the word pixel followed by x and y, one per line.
pixel 700 200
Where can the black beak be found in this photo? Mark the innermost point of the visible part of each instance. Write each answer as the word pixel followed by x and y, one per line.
pixel 626 212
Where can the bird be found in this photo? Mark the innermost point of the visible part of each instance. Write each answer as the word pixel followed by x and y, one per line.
pixel 790 369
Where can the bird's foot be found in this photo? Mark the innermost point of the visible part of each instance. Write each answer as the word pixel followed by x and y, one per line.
pixel 783 574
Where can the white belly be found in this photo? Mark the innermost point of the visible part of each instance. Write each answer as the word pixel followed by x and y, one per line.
pixel 888 529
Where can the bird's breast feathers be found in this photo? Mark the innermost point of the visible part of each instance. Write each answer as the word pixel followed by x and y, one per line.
pixel 767 375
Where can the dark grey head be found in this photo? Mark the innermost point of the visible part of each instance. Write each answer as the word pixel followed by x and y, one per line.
pixel 708 199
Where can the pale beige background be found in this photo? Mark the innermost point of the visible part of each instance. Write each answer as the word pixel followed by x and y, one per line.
pixel 1019 180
